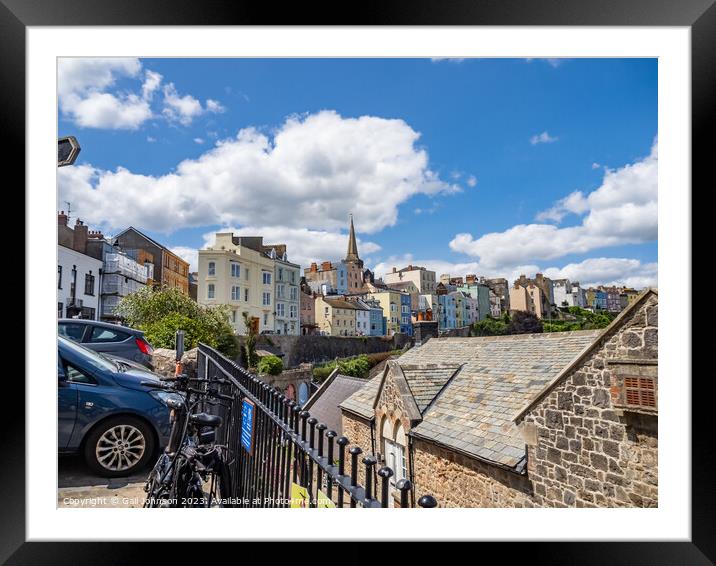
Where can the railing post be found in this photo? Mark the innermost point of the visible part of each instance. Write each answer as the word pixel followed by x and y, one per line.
pixel 385 473
pixel 369 462
pixel 312 423
pixel 321 428
pixel 404 486
pixel 304 417
pixel 292 418
pixel 330 435
pixel 342 442
pixel 427 501
pixel 355 452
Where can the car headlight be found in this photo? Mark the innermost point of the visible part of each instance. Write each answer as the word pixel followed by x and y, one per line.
pixel 169 398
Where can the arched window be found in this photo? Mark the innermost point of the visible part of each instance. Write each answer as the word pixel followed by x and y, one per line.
pixel 394 449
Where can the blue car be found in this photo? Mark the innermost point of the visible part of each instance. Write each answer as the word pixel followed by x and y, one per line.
pixel 106 413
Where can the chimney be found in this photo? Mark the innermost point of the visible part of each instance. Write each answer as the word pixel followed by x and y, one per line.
pixel 326 266
pixel 394 270
pixel 95 235
pixel 62 218
pixel 410 267
pixel 314 267
pixel 79 243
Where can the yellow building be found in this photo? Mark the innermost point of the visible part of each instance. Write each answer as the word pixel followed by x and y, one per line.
pixel 390 303
pixel 335 317
pixel 236 271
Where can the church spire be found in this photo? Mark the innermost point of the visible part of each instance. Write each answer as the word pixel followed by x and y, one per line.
pixel 352 254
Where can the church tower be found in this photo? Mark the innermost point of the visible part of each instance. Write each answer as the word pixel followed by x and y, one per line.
pixel 352 255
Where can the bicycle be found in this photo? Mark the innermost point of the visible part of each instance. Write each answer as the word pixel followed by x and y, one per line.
pixel 192 459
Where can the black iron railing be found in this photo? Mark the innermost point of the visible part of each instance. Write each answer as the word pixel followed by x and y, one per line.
pixel 284 463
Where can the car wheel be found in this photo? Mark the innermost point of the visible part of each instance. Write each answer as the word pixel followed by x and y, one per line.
pixel 119 446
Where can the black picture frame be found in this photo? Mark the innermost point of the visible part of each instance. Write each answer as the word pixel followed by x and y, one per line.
pixel 699 15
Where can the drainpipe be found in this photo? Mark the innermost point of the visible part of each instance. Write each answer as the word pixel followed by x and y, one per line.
pixel 410 472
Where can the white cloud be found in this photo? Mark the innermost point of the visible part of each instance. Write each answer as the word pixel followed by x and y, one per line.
pixel 595 165
pixel 84 86
pixel 448 59
pixel 151 83
pixel 544 137
pixel 177 108
pixel 471 181
pixel 623 210
pixel 214 106
pixel 303 245
pixel 150 139
pixel 312 173
pixel 82 97
pixel 608 271
pixel 551 61
pixel 590 272
pixel 199 140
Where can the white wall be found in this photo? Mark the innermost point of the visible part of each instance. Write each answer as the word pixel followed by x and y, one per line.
pixel 68 258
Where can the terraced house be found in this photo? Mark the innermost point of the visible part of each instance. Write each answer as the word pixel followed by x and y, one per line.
pixel 565 419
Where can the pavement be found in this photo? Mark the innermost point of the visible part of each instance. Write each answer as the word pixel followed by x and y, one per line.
pixel 79 487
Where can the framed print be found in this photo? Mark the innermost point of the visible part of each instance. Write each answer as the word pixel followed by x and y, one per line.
pixel 411 261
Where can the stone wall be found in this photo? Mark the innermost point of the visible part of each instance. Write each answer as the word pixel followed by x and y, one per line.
pixel 583 450
pixel 462 332
pixel 357 430
pixel 314 349
pixel 456 480
pixel 295 376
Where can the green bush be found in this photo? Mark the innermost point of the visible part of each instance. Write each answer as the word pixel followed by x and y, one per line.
pixel 320 373
pixel 161 312
pixel 271 365
pixel 356 367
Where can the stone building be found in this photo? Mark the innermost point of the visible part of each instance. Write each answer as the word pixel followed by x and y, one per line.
pixel 565 419
pixel 422 278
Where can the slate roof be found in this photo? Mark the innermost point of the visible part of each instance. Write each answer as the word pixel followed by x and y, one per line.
pixel 323 404
pixel 474 413
pixel 361 402
pixel 427 380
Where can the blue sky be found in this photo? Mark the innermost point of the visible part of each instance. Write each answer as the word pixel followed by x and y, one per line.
pixel 491 166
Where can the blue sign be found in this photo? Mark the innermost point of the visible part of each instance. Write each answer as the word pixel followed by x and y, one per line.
pixel 247 425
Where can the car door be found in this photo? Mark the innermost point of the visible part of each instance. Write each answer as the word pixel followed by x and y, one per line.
pixel 112 341
pixel 67 399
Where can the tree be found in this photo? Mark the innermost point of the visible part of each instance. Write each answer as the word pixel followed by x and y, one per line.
pixel 490 327
pixel 524 323
pixel 250 358
pixel 271 365
pixel 159 313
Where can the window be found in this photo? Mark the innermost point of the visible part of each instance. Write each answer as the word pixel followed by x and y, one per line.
pixel 280 291
pixel 59 277
pixel 76 375
pixel 265 319
pixel 266 299
pixel 235 293
pixel 101 335
pixel 71 331
pixel 292 311
pixel 89 284
pixel 267 278
pixel 325 311
pixel 246 273
pixel 59 310
pixel 235 270
pixel 212 269
pixel 246 294
pixel 294 293
pixel 233 316
pixel 640 392
pixel 293 276
pixel 280 309
pixel 210 290
pixel 280 273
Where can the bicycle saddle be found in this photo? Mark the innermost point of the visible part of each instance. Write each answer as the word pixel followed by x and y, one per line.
pixel 205 419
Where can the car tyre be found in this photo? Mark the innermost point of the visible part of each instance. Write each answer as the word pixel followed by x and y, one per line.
pixel 119 446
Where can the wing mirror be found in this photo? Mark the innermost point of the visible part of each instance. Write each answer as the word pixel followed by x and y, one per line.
pixel 61 375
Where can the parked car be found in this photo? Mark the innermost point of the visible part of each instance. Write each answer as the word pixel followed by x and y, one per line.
pixel 109 338
pixel 107 413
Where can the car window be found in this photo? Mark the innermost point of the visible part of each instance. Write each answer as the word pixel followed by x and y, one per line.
pixel 76 375
pixel 100 334
pixel 71 331
pixel 89 356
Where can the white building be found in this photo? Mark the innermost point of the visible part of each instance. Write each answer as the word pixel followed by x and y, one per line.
pixel 287 279
pixel 422 278
pixel 78 284
pixel 568 294
pixel 363 327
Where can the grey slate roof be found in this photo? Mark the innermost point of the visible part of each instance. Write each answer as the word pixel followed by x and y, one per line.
pixel 361 402
pixel 426 381
pixel 323 404
pixel 474 413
